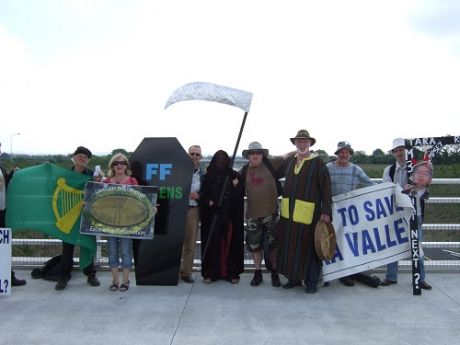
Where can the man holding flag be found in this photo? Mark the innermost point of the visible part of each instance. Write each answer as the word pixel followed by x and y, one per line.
pixel 49 198
pixel 80 160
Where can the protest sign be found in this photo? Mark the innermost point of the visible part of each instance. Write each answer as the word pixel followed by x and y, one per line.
pixel 372 229
pixel 5 262
pixel 119 210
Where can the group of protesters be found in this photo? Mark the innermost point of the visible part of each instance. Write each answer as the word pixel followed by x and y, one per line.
pixel 280 219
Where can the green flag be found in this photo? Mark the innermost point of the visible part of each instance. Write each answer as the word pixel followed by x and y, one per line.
pixel 49 198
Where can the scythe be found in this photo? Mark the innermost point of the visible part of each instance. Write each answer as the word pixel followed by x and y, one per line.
pixel 221 94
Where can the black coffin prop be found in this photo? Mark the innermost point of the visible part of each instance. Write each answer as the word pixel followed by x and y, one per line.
pixel 162 162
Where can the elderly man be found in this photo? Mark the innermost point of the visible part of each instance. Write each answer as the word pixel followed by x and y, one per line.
pixel 80 159
pixel 346 176
pixel 306 199
pixel 192 218
pixel 262 212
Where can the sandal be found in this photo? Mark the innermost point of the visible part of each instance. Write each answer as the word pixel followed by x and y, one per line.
pixel 124 286
pixel 113 287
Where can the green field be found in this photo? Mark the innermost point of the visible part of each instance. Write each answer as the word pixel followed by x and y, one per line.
pixel 434 213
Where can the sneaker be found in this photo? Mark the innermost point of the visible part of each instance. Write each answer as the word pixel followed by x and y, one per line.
pixel 61 284
pixel 92 280
pixel 257 278
pixel 276 282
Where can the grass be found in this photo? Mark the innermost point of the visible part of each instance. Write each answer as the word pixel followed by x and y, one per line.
pixel 434 213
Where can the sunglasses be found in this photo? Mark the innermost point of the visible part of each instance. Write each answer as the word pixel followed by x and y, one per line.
pixel 195 154
pixel 119 163
pixel 255 152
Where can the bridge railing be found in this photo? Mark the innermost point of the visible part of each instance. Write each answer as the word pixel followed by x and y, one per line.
pixel 439 256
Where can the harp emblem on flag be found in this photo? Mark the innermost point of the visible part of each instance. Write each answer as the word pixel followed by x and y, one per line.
pixel 67 205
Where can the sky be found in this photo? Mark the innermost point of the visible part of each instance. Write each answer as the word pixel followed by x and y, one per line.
pixel 98 73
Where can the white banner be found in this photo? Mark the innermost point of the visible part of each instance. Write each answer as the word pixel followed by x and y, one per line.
pixel 372 229
pixel 5 262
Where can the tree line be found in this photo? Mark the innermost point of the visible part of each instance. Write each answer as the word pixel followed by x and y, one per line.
pixel 448 156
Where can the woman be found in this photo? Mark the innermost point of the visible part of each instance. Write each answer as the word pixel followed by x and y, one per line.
pixel 224 257
pixel 120 173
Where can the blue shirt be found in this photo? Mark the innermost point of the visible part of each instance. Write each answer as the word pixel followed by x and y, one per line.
pixel 346 179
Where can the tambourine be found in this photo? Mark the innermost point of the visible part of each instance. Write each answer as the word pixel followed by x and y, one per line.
pixel 325 241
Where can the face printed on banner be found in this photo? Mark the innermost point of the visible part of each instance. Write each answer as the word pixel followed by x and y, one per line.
pixel 423 175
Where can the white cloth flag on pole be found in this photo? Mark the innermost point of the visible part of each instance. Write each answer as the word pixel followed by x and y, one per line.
pixel 211 92
pixel 372 229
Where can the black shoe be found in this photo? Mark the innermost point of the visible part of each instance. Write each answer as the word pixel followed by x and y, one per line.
pixel 387 282
pixel 15 281
pixel 425 286
pixel 61 284
pixel 37 273
pixel 188 279
pixel 347 281
pixel 311 289
pixel 326 284
pixel 257 278
pixel 276 279
pixel 92 280
pixel 292 283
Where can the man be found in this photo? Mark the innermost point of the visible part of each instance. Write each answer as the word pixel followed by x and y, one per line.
pixel 397 173
pixel 80 160
pixel 262 212
pixel 306 199
pixel 346 176
pixel 4 179
pixel 192 218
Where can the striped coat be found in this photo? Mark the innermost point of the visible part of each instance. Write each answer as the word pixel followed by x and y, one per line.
pixel 306 195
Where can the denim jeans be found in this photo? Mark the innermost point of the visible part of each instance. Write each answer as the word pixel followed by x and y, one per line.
pixel 114 245
pixel 392 269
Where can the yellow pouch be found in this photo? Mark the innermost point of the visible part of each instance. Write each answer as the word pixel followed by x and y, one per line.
pixel 284 208
pixel 303 212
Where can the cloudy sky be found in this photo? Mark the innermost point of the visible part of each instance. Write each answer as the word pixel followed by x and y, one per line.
pixel 99 72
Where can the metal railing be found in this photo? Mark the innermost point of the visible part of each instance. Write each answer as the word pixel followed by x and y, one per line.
pixel 440 256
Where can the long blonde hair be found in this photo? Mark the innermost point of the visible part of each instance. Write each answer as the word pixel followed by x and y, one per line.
pixel 118 157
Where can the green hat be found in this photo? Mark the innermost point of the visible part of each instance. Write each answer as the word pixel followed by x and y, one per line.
pixel 303 134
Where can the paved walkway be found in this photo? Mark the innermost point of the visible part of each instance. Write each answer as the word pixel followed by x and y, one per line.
pixel 221 313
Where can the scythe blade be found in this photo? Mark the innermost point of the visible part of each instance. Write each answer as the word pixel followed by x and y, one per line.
pixel 211 92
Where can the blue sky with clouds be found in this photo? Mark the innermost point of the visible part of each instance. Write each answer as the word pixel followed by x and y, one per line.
pixel 98 72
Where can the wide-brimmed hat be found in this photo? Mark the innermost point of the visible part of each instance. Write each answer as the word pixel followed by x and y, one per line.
pixel 397 143
pixel 344 145
pixel 254 146
pixel 83 150
pixel 303 134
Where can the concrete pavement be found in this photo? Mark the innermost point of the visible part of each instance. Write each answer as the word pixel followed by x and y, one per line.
pixel 222 313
